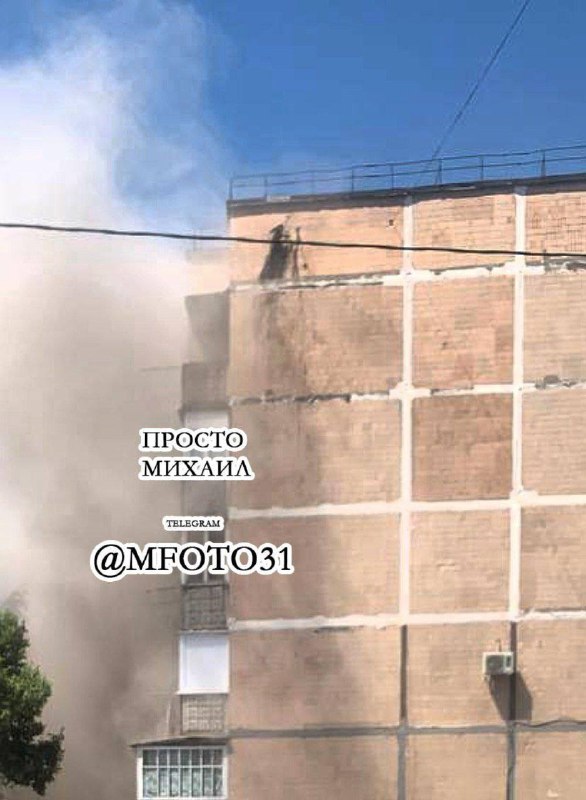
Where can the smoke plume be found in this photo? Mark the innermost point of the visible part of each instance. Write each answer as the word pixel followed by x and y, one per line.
pixel 104 125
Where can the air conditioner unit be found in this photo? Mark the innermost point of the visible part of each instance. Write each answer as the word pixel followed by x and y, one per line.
pixel 494 664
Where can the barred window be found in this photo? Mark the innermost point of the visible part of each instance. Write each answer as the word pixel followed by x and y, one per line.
pixel 206 418
pixel 189 772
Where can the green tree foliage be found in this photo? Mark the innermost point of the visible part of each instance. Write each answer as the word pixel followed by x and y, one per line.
pixel 28 756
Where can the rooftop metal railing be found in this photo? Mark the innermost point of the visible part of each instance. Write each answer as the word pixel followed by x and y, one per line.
pixel 551 161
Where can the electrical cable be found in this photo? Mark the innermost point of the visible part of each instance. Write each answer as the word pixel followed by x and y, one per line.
pixel 480 80
pixel 202 237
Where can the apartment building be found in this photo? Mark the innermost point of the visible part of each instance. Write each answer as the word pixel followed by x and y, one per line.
pixel 416 422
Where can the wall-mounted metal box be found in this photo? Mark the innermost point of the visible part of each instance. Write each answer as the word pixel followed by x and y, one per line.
pixel 501 663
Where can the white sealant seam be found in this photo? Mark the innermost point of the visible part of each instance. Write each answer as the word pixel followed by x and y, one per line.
pixel 322 510
pixel 406 446
pixel 382 278
pixel 528 499
pixel 523 499
pixel 401 391
pixel 479 389
pixel 311 623
pixel 381 621
pixel 517 411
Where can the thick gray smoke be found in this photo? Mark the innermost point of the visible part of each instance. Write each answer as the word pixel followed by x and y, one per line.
pixel 92 336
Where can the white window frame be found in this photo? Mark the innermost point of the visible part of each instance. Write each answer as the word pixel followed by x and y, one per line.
pixel 202 639
pixel 139 772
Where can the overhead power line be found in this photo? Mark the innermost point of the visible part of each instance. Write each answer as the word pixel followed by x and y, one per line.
pixel 203 237
pixel 480 80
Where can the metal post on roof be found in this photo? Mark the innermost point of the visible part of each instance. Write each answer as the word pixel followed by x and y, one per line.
pixel 543 164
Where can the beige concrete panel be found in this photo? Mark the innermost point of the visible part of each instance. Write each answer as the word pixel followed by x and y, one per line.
pixel 555 327
pixel 553 563
pixel 315 341
pixel 551 656
pixel 303 678
pixel 459 561
pixel 474 221
pixel 554 432
pixel 555 219
pixel 353 768
pixel 343 565
pixel 463 333
pixel 462 447
pixel 304 454
pixel 368 223
pixel 457 767
pixel 445 681
pixel 551 766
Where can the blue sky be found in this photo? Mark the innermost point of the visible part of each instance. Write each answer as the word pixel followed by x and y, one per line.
pixel 331 82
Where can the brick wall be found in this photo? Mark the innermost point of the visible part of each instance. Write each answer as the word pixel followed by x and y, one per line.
pixel 463 333
pixel 555 334
pixel 460 561
pixel 474 220
pixel 553 566
pixel 353 768
pixel 456 766
pixel 304 454
pixel 340 339
pixel 462 447
pixel 551 658
pixel 445 681
pixel 300 679
pixel 551 766
pixel 369 224
pixel 554 431
pixel 477 221
pixel 555 218
pixel 342 565
pixel 436 512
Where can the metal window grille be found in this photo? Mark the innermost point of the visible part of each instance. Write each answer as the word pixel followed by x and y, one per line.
pixel 203 713
pixel 192 773
pixel 204 606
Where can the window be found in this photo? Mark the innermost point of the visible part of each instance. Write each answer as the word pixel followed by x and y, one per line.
pixel 203 663
pixel 214 504
pixel 202 537
pixel 189 772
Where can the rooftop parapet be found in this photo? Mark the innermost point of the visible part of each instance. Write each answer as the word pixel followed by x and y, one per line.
pixel 409 175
